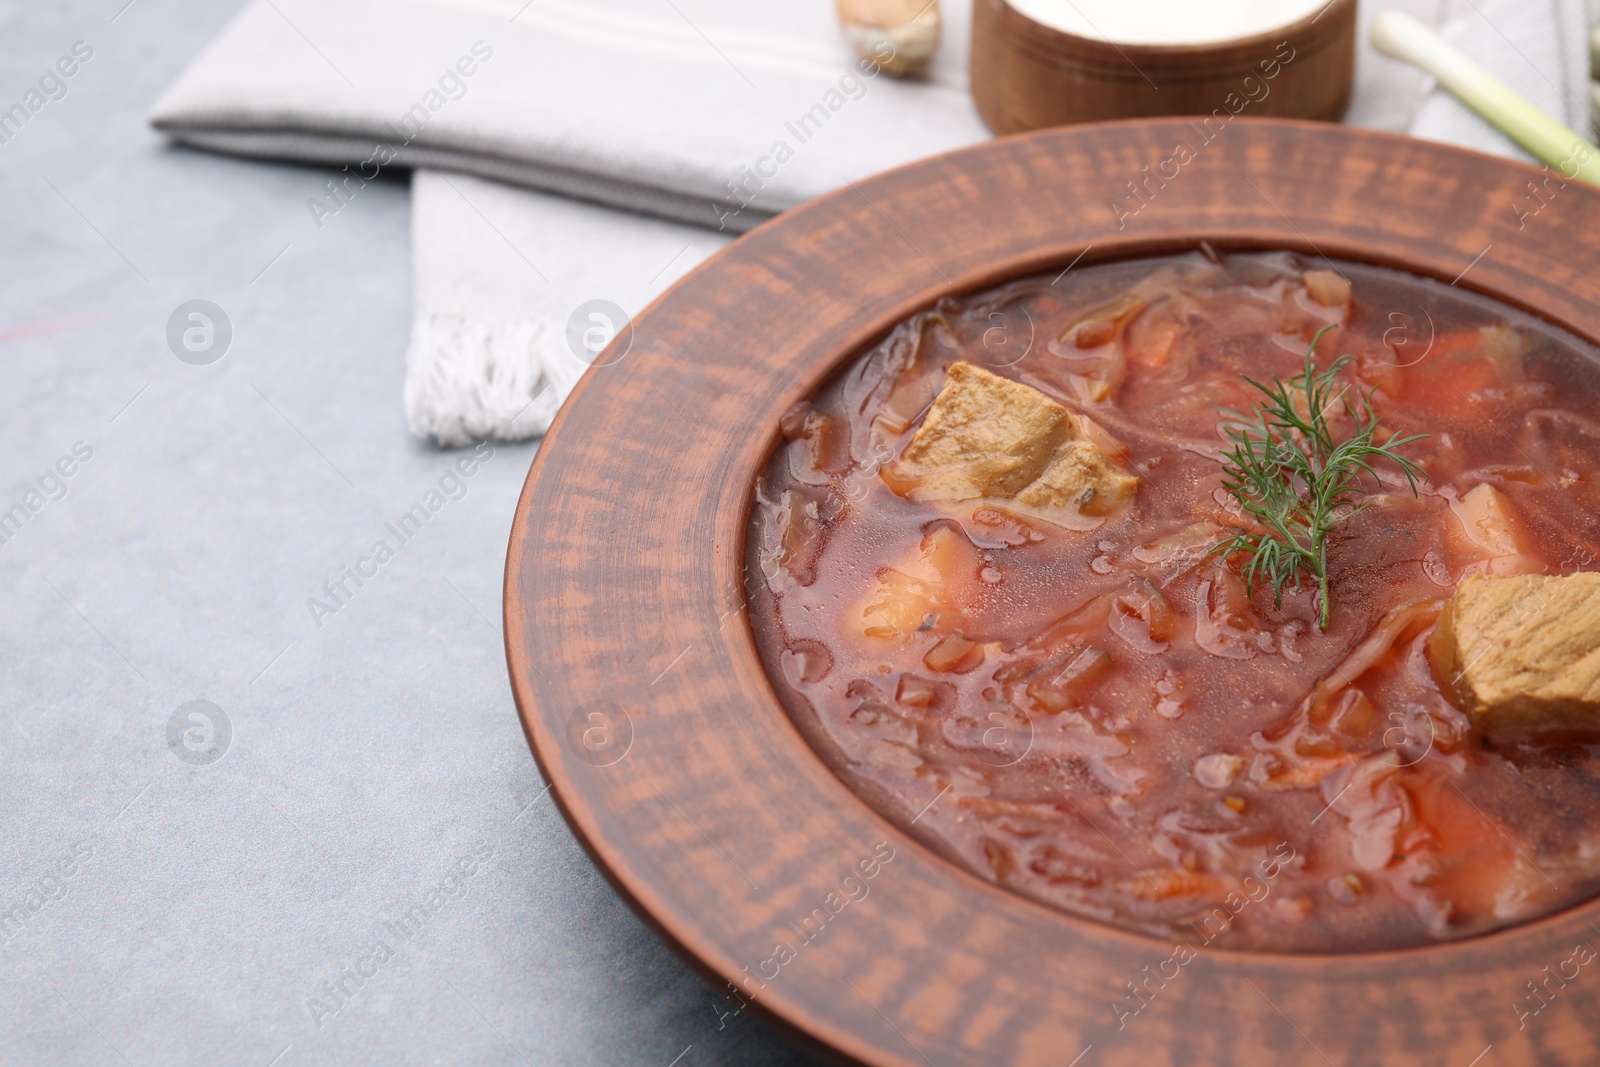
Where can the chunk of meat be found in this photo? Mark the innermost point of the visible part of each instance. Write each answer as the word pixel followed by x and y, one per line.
pixel 1521 655
pixel 987 437
pixel 1079 478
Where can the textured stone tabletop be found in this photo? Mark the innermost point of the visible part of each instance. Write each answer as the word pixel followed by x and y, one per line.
pixel 266 797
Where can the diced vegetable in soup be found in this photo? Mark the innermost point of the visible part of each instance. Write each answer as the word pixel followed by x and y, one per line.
pixel 1244 600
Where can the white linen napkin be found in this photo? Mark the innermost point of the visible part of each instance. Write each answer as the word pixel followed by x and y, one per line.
pixel 670 107
pixel 717 113
pixel 713 113
pixel 498 274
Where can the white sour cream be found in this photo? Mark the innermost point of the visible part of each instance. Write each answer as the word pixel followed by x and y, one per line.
pixel 1166 21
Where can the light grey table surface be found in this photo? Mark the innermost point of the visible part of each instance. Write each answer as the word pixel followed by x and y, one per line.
pixel 165 910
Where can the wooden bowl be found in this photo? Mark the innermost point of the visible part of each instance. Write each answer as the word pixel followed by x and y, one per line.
pixel 1026 75
pixel 646 705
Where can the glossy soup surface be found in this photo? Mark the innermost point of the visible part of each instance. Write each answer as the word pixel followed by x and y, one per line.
pixel 1103 718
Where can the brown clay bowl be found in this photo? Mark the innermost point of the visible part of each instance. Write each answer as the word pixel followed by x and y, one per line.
pixel 1026 75
pixel 647 707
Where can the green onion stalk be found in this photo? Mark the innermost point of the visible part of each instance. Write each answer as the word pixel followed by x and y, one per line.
pixel 1394 33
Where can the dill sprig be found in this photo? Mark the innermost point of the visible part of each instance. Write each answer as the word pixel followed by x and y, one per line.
pixel 1288 472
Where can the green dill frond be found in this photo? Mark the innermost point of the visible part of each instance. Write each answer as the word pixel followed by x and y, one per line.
pixel 1289 473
